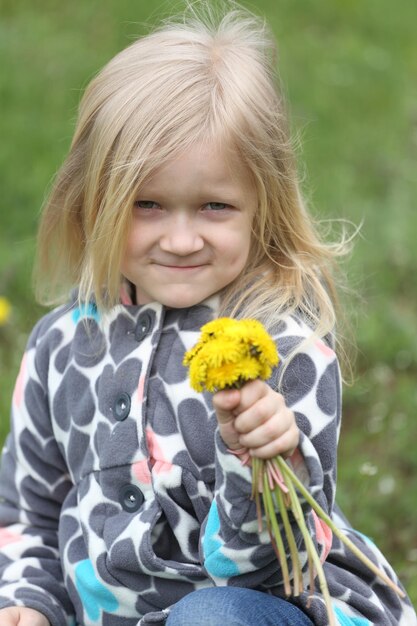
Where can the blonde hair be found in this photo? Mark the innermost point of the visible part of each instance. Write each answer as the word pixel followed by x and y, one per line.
pixel 197 79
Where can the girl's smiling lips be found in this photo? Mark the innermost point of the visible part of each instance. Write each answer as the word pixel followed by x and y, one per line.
pixel 181 267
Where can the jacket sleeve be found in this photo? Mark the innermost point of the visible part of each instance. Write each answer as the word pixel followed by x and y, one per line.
pixel 33 485
pixel 233 550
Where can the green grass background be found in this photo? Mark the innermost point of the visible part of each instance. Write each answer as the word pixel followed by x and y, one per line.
pixel 349 69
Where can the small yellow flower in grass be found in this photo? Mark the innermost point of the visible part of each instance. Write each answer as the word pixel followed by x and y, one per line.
pixel 5 310
pixel 229 353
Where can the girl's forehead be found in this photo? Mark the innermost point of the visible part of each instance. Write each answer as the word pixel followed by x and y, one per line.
pixel 205 166
pixel 217 162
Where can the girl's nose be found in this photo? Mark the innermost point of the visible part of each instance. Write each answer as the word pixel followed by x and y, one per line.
pixel 181 236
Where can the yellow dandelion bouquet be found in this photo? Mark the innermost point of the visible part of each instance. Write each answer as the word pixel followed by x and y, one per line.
pixel 230 353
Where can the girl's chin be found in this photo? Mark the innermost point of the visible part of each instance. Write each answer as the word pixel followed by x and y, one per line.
pixel 184 299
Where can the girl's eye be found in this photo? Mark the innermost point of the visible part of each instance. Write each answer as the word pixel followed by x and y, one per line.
pixel 216 206
pixel 146 204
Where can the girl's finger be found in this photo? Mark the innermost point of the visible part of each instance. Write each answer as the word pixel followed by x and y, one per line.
pixel 261 411
pixel 262 435
pixel 284 445
pixel 250 393
pixel 225 403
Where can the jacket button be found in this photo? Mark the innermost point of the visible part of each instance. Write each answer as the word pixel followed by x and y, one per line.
pixel 131 498
pixel 121 406
pixel 143 326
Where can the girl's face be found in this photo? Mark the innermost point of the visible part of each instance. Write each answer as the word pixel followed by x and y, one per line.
pixel 191 228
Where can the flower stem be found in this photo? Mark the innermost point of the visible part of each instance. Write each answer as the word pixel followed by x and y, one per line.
pixel 256 473
pixel 296 566
pixel 275 533
pixel 311 550
pixel 293 479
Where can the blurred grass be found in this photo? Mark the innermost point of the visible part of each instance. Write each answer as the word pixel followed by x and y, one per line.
pixel 349 69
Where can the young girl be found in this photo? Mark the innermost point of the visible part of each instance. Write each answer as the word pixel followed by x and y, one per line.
pixel 122 502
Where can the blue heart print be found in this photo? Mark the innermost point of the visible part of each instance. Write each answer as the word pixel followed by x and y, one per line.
pixel 94 595
pixel 347 620
pixel 85 310
pixel 217 563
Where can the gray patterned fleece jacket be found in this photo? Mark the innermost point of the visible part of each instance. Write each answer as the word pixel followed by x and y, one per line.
pixel 117 496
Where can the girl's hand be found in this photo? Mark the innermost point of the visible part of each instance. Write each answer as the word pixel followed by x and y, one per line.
pixel 21 616
pixel 256 417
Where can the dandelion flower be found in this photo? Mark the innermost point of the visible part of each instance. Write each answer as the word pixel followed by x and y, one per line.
pixel 5 310
pixel 229 353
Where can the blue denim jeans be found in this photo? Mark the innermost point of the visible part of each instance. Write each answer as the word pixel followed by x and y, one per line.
pixel 235 606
